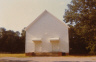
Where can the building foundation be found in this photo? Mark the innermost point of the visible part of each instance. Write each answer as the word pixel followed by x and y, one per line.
pixel 46 54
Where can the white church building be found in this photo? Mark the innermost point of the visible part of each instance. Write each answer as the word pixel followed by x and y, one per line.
pixel 47 35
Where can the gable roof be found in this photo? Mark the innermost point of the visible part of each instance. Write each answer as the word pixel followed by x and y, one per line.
pixel 41 15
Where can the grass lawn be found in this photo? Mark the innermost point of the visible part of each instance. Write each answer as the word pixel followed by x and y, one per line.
pixel 12 55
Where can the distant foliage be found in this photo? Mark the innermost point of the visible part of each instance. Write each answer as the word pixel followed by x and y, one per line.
pixel 83 33
pixel 11 42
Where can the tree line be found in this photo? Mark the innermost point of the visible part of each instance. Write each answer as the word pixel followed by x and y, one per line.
pixel 12 42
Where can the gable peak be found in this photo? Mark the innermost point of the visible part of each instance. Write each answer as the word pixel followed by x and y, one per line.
pixel 44 12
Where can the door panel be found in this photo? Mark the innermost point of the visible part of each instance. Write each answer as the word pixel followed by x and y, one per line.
pixel 37 47
pixel 55 47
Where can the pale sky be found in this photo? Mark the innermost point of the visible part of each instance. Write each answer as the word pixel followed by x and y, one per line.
pixel 17 14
